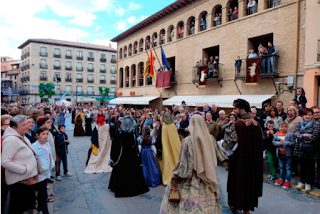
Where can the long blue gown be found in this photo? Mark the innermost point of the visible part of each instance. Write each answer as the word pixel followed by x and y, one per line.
pixel 150 167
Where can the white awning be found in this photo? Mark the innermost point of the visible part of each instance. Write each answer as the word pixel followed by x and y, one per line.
pixel 132 100
pixel 224 101
pixel 86 100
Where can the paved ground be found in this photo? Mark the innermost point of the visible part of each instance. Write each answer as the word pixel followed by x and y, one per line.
pixel 85 193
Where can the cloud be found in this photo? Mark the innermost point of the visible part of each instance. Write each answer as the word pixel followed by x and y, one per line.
pixel 105 42
pixel 134 6
pixel 132 20
pixel 121 25
pixel 120 11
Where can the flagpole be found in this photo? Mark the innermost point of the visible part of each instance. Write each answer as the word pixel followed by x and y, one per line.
pixel 156 55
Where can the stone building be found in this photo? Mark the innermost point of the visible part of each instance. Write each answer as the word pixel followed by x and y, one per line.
pixel 190 31
pixel 10 69
pixel 76 69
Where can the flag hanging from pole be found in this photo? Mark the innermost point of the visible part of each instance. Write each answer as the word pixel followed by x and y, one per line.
pixel 165 61
pixel 150 65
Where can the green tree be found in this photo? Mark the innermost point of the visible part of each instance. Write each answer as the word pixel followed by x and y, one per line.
pixel 46 91
pixel 104 92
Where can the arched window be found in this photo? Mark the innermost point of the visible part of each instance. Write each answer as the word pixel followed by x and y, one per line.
pixel 148 43
pixel 126 70
pixel 180 30
pixel 120 53
pixel 233 10
pixel 191 25
pixel 125 50
pixel 170 33
pixel 251 6
pixel 154 39
pixel 140 74
pixel 162 38
pixel 121 78
pixel 135 47
pixel 130 49
pixel 133 75
pixel 141 45
pixel 216 15
pixel 203 20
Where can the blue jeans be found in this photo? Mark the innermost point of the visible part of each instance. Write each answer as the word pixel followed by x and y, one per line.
pixel 285 167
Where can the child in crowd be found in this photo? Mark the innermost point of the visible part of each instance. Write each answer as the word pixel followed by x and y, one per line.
pixel 270 150
pixel 284 144
pixel 151 170
pixel 61 144
pixel 43 151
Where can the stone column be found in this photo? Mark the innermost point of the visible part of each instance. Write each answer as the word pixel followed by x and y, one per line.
pixel 224 15
pixel 242 6
pixel 262 5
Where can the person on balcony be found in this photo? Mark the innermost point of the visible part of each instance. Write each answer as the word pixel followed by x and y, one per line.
pixel 237 64
pixel 262 52
pixel 191 28
pixel 252 54
pixel 210 67
pixel 216 66
pixel 230 14
pixel 272 52
pixel 217 20
pixel 235 13
pixel 252 7
pixel 203 24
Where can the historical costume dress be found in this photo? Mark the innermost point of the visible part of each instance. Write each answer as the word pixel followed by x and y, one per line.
pixel 100 148
pixel 61 118
pixel 170 148
pixel 150 167
pixel 78 127
pixel 126 179
pixel 88 122
pixel 69 125
pixel 194 177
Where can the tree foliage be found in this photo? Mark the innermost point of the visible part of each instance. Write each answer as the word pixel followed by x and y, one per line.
pixel 104 92
pixel 46 91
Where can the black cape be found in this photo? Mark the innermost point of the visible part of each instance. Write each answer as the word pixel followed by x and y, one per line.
pixel 245 176
pixel 88 127
pixel 126 179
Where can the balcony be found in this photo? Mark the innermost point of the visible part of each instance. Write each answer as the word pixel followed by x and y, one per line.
pixel 68 79
pixel 103 81
pixel 68 56
pixel 57 79
pixel 201 75
pixel 79 57
pixel 43 66
pixel 79 68
pixel 90 81
pixel 43 54
pixel 113 82
pixel 56 55
pixel 79 93
pixel 43 78
pixel 68 68
pixel 79 79
pixel 90 69
pixel 103 70
pixel 57 67
pixel 90 93
pixel 103 59
pixel 266 67
pixel 90 58
pixel 113 60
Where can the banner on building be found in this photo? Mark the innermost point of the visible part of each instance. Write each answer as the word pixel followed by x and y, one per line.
pixel 253 70
pixel 203 75
pixel 163 79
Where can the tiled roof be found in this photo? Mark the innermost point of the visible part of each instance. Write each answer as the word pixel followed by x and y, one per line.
pixel 68 44
pixel 177 5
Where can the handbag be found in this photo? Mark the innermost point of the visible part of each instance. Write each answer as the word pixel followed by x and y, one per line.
pixel 39 165
pixel 174 195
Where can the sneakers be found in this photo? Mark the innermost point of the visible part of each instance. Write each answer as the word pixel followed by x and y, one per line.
pixel 307 187
pixel 271 178
pixel 278 182
pixel 300 186
pixel 58 178
pixel 286 185
pixel 68 174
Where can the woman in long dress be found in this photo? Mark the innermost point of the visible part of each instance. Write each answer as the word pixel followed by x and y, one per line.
pixel 88 122
pixel 78 127
pixel 100 148
pixel 194 176
pixel 69 125
pixel 126 179
pixel 170 148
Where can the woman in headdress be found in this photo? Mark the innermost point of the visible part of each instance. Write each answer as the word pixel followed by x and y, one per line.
pixel 170 148
pixel 126 179
pixel 100 148
pixel 88 122
pixel 194 187
pixel 78 128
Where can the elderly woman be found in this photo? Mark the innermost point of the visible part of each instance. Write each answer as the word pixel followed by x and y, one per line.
pixel 194 177
pixel 293 118
pixel 20 165
pixel 306 136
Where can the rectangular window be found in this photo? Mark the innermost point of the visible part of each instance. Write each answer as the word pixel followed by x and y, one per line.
pixel 43 51
pixel 90 76
pixel 43 74
pixel 57 65
pixel 79 75
pixel 57 87
pixel 56 52
pixel 79 55
pixel 90 56
pixel 79 88
pixel 103 68
pixel 90 89
pixel 68 65
pixel 112 77
pixel 69 54
pixel 68 88
pixel 79 66
pixel 43 64
pixel 68 76
pixel 102 77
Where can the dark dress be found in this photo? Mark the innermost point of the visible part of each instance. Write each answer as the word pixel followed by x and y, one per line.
pixel 73 115
pixel 245 176
pixel 78 129
pixel 126 179
pixel 88 127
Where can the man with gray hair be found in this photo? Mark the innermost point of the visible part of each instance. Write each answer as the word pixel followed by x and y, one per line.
pixel 214 112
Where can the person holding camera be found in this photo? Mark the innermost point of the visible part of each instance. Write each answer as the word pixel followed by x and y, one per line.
pixel 61 145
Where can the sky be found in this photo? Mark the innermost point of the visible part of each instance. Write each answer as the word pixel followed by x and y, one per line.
pixel 88 21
